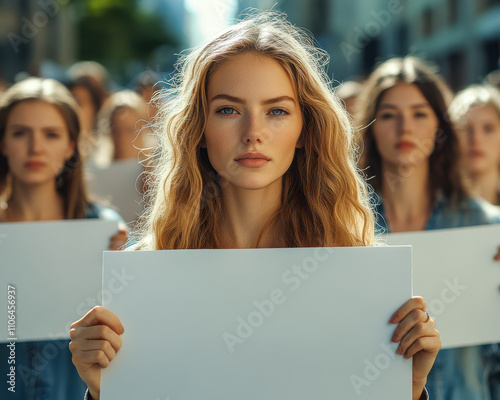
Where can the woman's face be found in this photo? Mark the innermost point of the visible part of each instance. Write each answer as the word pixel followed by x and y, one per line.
pixel 480 139
pixel 405 127
pixel 36 142
pixel 126 125
pixel 254 121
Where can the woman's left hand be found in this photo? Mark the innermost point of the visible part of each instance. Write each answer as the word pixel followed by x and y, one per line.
pixel 117 242
pixel 418 337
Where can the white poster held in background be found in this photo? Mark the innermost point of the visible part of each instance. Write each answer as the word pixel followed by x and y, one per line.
pixel 454 270
pixel 265 324
pixel 118 186
pixel 56 270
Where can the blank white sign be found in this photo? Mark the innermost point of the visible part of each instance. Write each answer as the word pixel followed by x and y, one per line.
pixel 261 324
pixel 454 270
pixel 56 269
pixel 119 186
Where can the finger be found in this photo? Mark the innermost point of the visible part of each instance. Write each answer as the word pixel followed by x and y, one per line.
pixel 96 333
pixel 413 318
pixel 91 357
pixel 91 345
pixel 419 330
pixel 416 302
pixel 97 316
pixel 430 344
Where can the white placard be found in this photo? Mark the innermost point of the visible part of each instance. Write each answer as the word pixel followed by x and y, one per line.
pixel 261 324
pixel 454 270
pixel 118 186
pixel 56 269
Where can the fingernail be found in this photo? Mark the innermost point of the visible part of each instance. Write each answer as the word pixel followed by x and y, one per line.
pixel 395 338
pixel 398 351
pixel 394 319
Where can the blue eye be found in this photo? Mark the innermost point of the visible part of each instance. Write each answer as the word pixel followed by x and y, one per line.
pixel 278 111
pixel 226 110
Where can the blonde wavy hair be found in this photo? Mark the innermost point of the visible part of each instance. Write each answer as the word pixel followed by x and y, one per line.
pixel 324 198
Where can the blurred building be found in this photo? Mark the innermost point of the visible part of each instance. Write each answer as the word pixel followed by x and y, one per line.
pixel 32 31
pixel 461 36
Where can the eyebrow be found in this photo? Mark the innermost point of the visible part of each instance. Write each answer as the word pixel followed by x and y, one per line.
pixel 45 128
pixel 413 106
pixel 241 101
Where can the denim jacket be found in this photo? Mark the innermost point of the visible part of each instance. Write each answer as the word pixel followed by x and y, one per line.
pixel 44 370
pixel 466 373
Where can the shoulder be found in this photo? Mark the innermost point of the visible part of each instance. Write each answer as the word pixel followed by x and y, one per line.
pixel 472 211
pixel 95 210
pixel 486 211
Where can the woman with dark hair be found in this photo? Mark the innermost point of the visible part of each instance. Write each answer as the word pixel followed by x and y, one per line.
pixel 411 155
pixel 41 180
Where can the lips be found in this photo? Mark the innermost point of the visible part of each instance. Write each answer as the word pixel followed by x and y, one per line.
pixel 405 145
pixel 476 154
pixel 252 160
pixel 34 164
pixel 252 156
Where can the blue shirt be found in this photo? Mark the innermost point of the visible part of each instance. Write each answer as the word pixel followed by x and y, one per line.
pixel 466 373
pixel 44 370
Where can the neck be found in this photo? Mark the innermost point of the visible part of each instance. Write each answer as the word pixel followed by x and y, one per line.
pixel 486 185
pixel 246 212
pixel 406 195
pixel 34 203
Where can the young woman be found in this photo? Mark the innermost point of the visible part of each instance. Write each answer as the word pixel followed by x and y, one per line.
pixel 121 124
pixel 411 154
pixel 257 152
pixel 41 180
pixel 476 113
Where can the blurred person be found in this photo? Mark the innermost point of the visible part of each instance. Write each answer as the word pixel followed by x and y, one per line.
pixel 93 72
pixel 254 120
pixel 349 92
pixel 147 84
pixel 89 103
pixel 475 112
pixel 123 121
pixel 41 180
pixel 411 156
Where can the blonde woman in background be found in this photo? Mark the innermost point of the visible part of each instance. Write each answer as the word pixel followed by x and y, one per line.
pixel 475 112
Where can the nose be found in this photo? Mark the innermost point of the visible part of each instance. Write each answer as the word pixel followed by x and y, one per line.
pixel 35 143
pixel 253 130
pixel 473 137
pixel 404 124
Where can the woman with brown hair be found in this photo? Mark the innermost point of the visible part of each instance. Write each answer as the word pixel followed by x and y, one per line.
pixel 256 152
pixel 411 156
pixel 41 180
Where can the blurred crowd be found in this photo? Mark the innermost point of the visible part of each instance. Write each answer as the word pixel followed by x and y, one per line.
pixel 431 156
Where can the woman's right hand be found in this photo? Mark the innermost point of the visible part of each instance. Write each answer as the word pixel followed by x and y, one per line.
pixel 95 340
